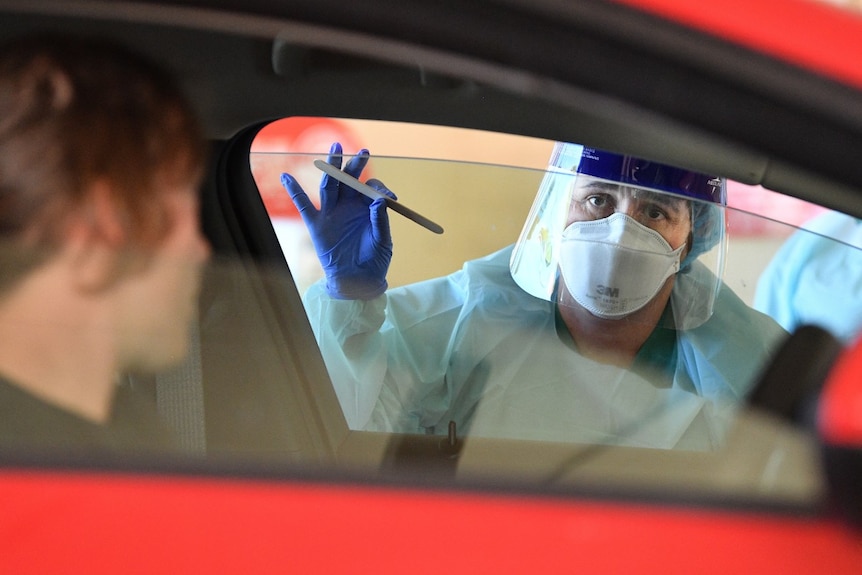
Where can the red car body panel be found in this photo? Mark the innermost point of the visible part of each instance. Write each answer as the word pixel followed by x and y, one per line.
pixel 142 524
pixel 808 33
pixel 840 409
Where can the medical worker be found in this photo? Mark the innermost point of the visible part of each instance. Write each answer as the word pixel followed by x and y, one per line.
pixel 601 324
pixel 815 278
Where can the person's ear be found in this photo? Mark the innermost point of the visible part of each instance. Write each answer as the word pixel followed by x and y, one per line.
pixel 107 217
pixel 96 238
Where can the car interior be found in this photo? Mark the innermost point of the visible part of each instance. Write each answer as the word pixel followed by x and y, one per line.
pixel 255 396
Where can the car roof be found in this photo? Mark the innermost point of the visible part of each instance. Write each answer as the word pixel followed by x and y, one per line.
pixel 626 79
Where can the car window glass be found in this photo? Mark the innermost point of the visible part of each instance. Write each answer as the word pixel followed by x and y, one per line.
pixel 480 189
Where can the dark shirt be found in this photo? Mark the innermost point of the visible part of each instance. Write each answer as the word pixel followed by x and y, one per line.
pixel 31 425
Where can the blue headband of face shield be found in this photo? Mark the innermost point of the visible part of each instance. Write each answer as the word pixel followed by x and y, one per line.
pixel 647 174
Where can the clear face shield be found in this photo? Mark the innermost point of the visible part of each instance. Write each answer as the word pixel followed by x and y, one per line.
pixel 623 239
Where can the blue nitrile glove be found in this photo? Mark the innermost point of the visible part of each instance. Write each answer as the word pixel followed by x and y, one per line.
pixel 350 232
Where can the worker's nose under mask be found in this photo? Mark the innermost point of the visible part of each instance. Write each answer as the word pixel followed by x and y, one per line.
pixel 615 266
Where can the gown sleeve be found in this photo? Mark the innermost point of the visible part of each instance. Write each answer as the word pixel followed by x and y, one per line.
pixel 386 356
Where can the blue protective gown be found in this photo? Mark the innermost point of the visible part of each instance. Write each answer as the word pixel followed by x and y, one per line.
pixel 816 280
pixel 474 348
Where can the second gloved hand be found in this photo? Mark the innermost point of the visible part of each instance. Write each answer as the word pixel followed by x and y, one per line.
pixel 350 232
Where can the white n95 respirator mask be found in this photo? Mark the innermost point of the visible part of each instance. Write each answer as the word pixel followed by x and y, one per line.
pixel 614 266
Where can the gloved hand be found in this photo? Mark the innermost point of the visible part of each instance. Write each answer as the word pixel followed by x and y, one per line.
pixel 350 232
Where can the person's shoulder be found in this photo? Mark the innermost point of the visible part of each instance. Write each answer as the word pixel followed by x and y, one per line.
pixel 28 422
pixel 823 229
pixel 136 424
pixel 485 281
pixel 830 221
pixel 736 316
pixel 489 279
pixel 494 263
pixel 838 226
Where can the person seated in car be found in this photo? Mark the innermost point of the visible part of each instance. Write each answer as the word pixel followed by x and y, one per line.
pixel 602 323
pixel 100 161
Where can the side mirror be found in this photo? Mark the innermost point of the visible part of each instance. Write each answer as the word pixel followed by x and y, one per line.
pixel 790 385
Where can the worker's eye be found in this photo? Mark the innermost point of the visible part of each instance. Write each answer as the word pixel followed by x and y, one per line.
pixel 655 212
pixel 599 201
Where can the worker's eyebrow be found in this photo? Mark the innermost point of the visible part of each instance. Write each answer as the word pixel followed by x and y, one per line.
pixel 665 199
pixel 606 186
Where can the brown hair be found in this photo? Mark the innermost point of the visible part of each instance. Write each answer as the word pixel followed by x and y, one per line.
pixel 74 111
